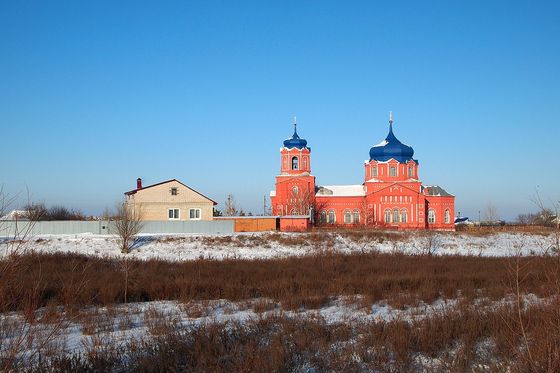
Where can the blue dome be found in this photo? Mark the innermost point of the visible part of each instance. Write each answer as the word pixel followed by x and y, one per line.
pixel 391 147
pixel 295 141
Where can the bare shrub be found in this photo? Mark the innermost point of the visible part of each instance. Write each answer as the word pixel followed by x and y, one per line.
pixel 126 223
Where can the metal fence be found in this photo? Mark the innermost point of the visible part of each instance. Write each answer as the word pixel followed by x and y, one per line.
pixel 10 228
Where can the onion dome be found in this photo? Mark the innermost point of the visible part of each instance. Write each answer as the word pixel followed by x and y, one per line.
pixel 391 148
pixel 295 141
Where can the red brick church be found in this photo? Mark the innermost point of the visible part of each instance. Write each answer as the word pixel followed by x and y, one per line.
pixel 391 196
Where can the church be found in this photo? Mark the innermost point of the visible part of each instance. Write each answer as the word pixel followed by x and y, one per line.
pixel 391 196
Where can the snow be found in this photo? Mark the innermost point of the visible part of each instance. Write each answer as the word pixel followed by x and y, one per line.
pixel 260 246
pixel 381 144
pixel 136 321
pixel 343 190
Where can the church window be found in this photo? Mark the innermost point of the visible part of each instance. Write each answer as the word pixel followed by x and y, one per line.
pixel 295 190
pixel 374 171
pixel 347 217
pixel 392 171
pixel 332 217
pixel 387 216
pixel 395 216
pixel 323 217
pixel 295 163
pixel 404 216
pixel 410 171
pixel 356 216
pixel 447 217
pixel 431 216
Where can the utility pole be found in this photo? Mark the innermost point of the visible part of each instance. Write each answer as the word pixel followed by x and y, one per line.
pixel 264 205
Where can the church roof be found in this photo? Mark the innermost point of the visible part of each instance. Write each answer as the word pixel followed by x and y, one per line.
pixel 341 191
pixel 295 141
pixel 391 148
pixel 436 190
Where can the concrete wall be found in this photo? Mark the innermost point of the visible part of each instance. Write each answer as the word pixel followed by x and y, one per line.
pixel 9 227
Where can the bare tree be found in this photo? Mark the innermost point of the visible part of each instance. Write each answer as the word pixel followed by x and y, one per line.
pixel 301 201
pixel 491 214
pixel 230 209
pixel 126 224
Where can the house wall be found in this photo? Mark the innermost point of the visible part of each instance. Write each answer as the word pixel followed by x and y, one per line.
pixel 155 202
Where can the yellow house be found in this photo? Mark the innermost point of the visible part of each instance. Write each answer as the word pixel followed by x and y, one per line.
pixel 169 200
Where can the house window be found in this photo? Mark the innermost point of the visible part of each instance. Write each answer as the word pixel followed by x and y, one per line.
pixel 392 171
pixel 173 191
pixel 395 216
pixel 374 171
pixel 431 216
pixel 323 217
pixel 447 217
pixel 347 217
pixel 387 216
pixel 410 171
pixel 173 214
pixel 332 217
pixel 404 216
pixel 194 214
pixel 295 163
pixel 356 216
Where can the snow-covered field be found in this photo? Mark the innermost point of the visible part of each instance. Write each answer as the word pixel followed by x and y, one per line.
pixel 261 246
pixel 136 321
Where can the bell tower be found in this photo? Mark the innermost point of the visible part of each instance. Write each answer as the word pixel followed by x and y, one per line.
pixel 295 186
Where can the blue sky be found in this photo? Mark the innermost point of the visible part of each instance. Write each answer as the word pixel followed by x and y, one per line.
pixel 96 94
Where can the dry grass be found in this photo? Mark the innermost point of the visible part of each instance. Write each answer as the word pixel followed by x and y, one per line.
pixel 73 280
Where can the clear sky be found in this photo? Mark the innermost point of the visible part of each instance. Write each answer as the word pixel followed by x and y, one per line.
pixel 94 94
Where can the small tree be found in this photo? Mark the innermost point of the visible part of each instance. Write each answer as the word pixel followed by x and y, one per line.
pixel 230 209
pixel 126 224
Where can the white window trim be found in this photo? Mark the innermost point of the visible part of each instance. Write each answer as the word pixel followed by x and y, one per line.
pixel 329 217
pixel 347 214
pixel 434 212
pixel 178 213
pixel 199 213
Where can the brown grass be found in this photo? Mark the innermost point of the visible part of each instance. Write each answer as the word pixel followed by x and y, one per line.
pixel 73 280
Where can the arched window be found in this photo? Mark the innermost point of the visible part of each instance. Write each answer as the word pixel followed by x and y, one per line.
pixel 395 216
pixel 404 216
pixel 323 217
pixel 332 217
pixel 295 163
pixel 374 171
pixel 347 217
pixel 356 216
pixel 447 217
pixel 387 216
pixel 392 171
pixel 410 171
pixel 431 216
pixel 295 190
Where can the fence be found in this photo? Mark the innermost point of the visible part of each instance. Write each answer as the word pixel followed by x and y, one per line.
pixel 8 228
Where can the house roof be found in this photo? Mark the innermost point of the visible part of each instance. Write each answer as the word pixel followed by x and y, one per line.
pixel 134 191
